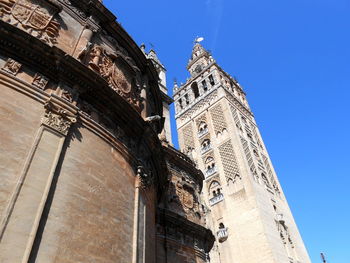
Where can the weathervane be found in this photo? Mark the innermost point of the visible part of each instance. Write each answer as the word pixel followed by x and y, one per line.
pixel 198 40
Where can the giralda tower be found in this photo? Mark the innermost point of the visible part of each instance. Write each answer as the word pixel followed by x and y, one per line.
pixel 246 207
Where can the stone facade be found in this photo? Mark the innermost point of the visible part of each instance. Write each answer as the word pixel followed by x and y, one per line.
pixel 84 174
pixel 247 210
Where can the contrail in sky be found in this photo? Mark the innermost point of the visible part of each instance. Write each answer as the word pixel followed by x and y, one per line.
pixel 215 8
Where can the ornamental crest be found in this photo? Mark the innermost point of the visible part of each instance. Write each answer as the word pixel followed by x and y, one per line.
pixel 30 14
pixel 33 16
pixel 117 76
pixel 187 199
pixel 122 77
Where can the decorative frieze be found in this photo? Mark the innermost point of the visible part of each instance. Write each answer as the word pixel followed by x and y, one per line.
pixel 40 81
pixel 12 66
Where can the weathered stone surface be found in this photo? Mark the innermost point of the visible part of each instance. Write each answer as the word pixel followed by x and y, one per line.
pixel 20 119
pixel 83 172
pixel 91 215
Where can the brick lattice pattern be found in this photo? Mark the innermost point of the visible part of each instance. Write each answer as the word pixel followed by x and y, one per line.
pixel 229 160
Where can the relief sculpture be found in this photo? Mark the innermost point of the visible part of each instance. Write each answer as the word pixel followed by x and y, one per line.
pixel 122 77
pixel 184 200
pixel 36 17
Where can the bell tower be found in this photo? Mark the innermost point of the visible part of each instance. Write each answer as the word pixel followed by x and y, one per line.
pixel 247 209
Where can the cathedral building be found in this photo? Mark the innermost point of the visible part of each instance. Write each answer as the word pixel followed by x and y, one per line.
pixel 247 210
pixel 88 171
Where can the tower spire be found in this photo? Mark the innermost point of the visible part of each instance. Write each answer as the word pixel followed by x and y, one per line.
pixel 200 57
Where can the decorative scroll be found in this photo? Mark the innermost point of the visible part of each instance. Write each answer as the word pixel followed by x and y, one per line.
pixel 36 17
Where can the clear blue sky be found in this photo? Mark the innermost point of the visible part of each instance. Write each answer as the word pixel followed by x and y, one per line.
pixel 292 57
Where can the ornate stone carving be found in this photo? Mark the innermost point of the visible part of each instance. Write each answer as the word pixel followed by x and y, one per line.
pixel 145 176
pixel 12 66
pixel 183 198
pixel 57 118
pixel 36 17
pixel 188 198
pixel 121 75
pixel 69 94
pixel 40 81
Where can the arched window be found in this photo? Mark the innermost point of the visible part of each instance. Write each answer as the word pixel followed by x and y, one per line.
pixel 209 160
pixel 205 86
pixel 215 188
pixel 211 80
pixel 202 127
pixel 180 104
pixel 195 89
pixel 187 99
pixel 206 143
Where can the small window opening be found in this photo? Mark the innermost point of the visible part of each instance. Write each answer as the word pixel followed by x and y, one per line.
pixel 211 80
pixel 195 90
pixel 187 100
pixel 205 87
pixel 180 103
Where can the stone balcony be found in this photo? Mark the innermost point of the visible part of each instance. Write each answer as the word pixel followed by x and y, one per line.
pixel 206 148
pixel 210 171
pixel 222 234
pixel 203 132
pixel 216 199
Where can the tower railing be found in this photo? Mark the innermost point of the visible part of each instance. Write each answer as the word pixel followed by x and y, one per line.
pixel 210 171
pixel 222 234
pixel 206 148
pixel 203 132
pixel 216 199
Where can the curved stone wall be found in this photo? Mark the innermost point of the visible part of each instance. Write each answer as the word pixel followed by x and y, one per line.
pixel 80 114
